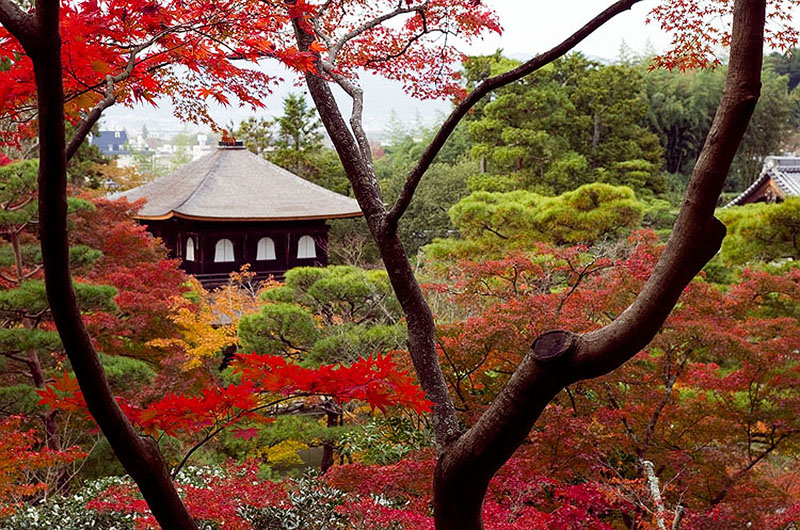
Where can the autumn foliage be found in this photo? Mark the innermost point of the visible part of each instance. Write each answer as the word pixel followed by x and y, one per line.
pixel 727 350
pixel 710 407
pixel 130 50
pixel 20 460
pixel 732 351
pixel 264 382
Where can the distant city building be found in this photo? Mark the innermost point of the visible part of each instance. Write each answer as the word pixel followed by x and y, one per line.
pixel 111 142
pixel 114 144
pixel 232 207
pixel 779 178
pixel 159 152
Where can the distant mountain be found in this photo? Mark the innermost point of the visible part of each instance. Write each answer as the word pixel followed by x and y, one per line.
pixel 384 100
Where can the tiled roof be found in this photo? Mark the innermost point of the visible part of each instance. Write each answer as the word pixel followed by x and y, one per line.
pixel 232 183
pixel 111 142
pixel 784 172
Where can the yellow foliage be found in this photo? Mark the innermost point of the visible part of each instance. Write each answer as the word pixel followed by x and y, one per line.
pixel 208 325
pixel 200 338
pixel 121 178
pixel 283 453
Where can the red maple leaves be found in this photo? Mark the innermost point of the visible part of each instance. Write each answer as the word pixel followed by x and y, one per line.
pixel 195 52
pixel 20 460
pixel 374 380
pixel 264 382
pixel 701 28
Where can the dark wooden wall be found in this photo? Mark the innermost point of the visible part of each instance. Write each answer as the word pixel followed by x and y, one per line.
pixel 245 237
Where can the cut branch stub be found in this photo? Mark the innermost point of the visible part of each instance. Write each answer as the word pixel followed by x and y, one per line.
pixel 553 345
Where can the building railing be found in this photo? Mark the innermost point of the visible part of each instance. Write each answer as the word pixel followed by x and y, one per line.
pixel 218 279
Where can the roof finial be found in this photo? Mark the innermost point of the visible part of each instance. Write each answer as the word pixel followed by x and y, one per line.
pixel 229 141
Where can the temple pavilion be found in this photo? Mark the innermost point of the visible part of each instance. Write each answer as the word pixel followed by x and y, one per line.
pixel 779 179
pixel 232 207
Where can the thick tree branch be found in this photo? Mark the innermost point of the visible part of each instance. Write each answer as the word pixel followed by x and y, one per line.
pixel 488 85
pixel 421 329
pixel 140 457
pixel 19 23
pixel 90 119
pixel 357 95
pixel 365 185
pixel 697 235
pixel 559 358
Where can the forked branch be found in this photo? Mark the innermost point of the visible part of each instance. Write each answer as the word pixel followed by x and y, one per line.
pixel 559 358
pixel 140 457
pixel 19 23
pixel 109 97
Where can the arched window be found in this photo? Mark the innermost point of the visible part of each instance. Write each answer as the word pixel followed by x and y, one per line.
pixel 266 249
pixel 189 250
pixel 306 248
pixel 223 251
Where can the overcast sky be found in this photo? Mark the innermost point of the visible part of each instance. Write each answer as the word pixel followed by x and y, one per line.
pixel 530 27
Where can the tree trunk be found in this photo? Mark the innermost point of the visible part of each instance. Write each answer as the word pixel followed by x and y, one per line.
pixel 329 447
pixel 34 364
pixel 421 328
pixel 140 457
pixel 49 417
pixel 559 358
pixel 467 462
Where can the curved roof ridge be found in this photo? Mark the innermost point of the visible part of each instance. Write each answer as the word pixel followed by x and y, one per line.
pixel 784 172
pixel 209 173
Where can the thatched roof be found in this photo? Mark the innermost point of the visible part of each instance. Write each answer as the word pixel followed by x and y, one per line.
pixel 234 184
pixel 780 178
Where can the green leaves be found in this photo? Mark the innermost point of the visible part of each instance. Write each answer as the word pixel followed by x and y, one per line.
pixel 278 328
pixel 18 194
pixel 294 142
pixel 518 219
pixel 326 315
pixel 761 232
pixel 30 297
pixel 23 340
pixel 348 343
pixel 566 125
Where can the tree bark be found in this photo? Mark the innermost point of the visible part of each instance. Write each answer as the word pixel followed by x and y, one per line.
pixel 559 358
pixel 140 457
pixel 421 328
pixel 468 461
pixel 48 418
pixel 333 420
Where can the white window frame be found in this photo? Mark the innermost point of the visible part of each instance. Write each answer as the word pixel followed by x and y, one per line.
pixel 223 251
pixel 189 249
pixel 265 251
pixel 306 248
